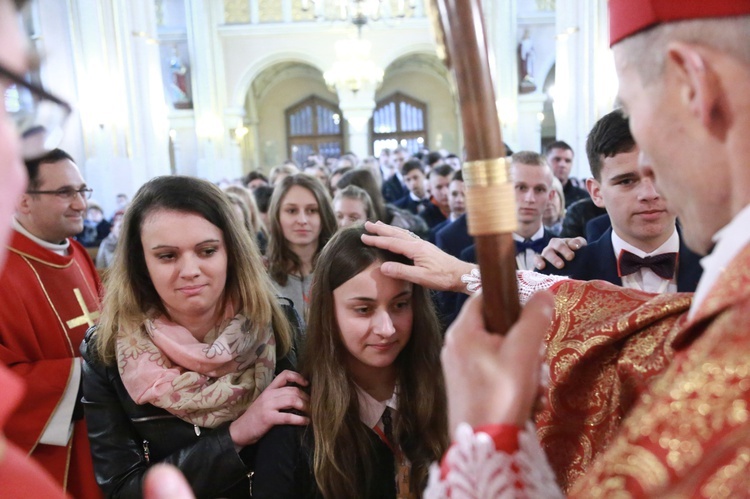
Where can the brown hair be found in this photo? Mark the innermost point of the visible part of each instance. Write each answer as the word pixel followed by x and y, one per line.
pixel 342 443
pixel 358 194
pixel 282 261
pixel 131 296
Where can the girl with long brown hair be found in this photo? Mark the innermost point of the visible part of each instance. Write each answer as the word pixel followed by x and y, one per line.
pixel 302 221
pixel 377 401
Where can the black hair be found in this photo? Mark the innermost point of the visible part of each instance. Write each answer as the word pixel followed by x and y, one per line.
pixel 609 137
pixel 32 165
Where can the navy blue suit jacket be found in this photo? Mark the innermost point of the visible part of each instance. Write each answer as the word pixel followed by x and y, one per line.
pixel 407 203
pixel 454 238
pixel 597 261
pixel 393 189
pixel 432 215
pixel 436 229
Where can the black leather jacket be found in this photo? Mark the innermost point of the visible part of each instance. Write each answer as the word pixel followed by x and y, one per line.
pixel 127 438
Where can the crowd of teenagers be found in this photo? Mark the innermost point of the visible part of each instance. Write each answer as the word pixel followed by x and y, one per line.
pixel 287 337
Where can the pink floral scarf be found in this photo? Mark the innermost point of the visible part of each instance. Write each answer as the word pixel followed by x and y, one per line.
pixel 205 384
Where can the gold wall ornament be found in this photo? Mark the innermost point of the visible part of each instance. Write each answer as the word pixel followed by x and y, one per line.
pixel 237 11
pixel 548 5
pixel 301 11
pixel 270 11
pixel 159 11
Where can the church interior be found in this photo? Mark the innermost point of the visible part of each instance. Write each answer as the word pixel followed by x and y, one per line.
pixel 219 88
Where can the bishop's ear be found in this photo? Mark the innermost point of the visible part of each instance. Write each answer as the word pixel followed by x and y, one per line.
pixel 698 85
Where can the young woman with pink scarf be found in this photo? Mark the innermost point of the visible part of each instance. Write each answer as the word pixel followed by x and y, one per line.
pixel 181 368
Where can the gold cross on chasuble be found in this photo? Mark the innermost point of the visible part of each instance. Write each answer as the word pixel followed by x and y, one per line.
pixel 87 317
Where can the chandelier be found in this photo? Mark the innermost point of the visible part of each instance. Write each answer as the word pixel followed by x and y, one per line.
pixel 353 68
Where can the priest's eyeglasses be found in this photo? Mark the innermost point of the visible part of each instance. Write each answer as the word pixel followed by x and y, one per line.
pixel 67 193
pixel 38 115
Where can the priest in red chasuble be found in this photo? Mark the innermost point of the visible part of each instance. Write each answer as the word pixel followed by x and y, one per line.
pixel 49 297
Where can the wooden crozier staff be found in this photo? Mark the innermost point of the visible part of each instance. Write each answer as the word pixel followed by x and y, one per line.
pixel 490 201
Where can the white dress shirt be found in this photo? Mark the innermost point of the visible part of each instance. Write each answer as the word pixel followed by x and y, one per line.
pixel 646 279
pixel 527 260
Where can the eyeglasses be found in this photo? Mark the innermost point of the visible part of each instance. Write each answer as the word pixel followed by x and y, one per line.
pixel 38 115
pixel 67 193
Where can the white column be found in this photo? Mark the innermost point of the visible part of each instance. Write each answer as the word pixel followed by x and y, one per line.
pixel 357 108
pixel 233 119
pixel 530 106
pixel 585 83
pixel 120 97
pixel 209 94
pixel 501 24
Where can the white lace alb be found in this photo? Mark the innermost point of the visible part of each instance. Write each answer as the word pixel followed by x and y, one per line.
pixel 529 282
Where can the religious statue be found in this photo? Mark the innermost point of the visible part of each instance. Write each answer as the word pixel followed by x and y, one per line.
pixel 526 60
pixel 179 84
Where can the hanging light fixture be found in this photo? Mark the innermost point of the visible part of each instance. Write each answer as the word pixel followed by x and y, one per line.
pixel 353 68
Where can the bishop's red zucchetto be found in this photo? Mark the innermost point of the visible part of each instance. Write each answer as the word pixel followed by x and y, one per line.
pixel 628 17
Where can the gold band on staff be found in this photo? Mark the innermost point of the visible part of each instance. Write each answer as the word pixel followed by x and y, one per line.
pixel 490 199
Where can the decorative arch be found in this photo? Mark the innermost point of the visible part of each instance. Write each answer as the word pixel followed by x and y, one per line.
pixel 250 73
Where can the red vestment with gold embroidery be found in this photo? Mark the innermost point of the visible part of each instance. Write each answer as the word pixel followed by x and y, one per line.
pixel 642 401
pixel 605 345
pixel 47 302
pixel 689 433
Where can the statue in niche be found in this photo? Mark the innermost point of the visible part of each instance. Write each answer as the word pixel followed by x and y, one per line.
pixel 526 60
pixel 179 84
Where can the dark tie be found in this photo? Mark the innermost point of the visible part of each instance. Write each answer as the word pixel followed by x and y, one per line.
pixel 662 265
pixel 536 246
pixel 388 426
pixel 403 467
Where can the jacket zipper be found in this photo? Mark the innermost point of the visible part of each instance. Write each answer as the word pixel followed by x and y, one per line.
pixel 146 452
pixel 153 418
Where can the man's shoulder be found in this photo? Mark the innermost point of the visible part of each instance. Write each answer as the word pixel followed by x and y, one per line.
pixel 432 215
pixel 455 227
pixel 402 202
pixel 454 237
pixel 590 262
pixel 21 246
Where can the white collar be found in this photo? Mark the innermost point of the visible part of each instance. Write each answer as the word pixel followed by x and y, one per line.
pixel 415 198
pixel 729 240
pixel 371 410
pixel 671 245
pixel 537 235
pixel 60 249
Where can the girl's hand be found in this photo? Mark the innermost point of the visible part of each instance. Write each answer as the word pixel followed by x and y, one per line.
pixel 282 403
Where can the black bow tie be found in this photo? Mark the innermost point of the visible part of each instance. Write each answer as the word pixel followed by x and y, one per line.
pixel 536 246
pixel 662 265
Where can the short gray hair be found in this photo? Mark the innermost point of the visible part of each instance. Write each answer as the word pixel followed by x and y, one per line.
pixel 647 50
